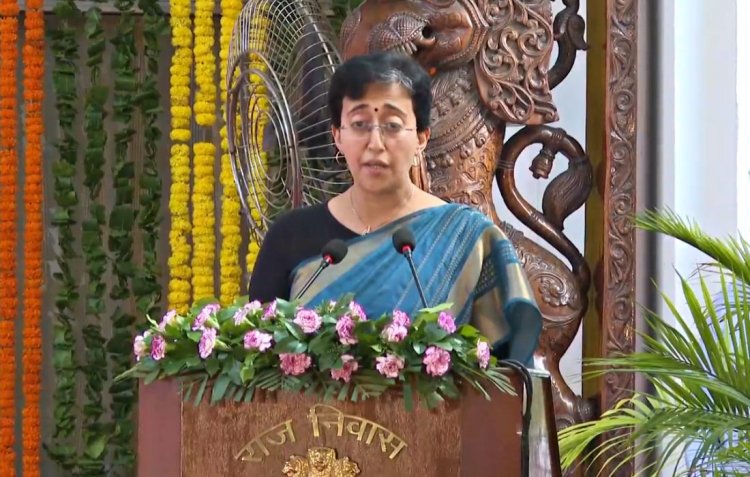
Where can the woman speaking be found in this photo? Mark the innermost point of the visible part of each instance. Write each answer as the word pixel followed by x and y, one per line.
pixel 380 112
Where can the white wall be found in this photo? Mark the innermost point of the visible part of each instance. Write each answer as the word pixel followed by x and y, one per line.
pixel 743 106
pixel 703 165
pixel 705 121
pixel 570 98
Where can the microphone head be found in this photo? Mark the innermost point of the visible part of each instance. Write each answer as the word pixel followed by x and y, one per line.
pixel 403 240
pixel 334 251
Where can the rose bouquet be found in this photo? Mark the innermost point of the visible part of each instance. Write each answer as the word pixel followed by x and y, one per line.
pixel 333 350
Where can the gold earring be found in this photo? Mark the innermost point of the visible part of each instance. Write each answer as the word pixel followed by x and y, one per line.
pixel 417 159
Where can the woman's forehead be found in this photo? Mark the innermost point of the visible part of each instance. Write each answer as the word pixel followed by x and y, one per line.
pixel 381 97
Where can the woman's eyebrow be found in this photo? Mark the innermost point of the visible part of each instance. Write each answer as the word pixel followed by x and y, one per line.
pixel 390 106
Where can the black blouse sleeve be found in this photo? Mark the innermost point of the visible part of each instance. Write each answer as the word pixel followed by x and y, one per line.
pixel 295 236
pixel 270 277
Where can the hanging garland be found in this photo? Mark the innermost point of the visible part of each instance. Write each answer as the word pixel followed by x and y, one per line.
pixel 8 180
pixel 146 286
pixel 92 248
pixel 260 25
pixel 230 273
pixel 121 222
pixel 179 192
pixel 33 94
pixel 64 46
pixel 204 241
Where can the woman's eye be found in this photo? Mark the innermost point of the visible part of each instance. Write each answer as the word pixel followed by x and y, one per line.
pixel 393 127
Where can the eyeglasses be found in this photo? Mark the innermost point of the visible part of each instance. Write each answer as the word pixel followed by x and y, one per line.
pixel 363 129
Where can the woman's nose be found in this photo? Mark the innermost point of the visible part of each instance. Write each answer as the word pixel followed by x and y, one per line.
pixel 376 140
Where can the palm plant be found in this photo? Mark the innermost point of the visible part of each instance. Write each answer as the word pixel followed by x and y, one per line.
pixel 698 408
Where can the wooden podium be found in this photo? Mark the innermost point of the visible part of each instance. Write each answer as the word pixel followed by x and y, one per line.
pixel 288 434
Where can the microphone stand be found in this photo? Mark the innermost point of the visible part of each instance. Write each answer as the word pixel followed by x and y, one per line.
pixel 323 265
pixel 407 254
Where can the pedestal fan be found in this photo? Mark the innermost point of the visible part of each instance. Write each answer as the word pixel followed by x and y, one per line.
pixel 281 57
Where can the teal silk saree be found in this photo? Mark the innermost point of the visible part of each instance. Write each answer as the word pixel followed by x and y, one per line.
pixel 461 257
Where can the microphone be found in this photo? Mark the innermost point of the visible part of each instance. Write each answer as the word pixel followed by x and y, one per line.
pixel 404 243
pixel 332 253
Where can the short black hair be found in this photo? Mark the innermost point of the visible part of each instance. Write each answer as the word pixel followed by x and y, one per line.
pixel 352 78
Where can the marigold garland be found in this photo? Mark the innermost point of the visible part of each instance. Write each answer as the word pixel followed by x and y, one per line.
pixel 230 271
pixel 8 179
pixel 204 240
pixel 33 94
pixel 179 193
pixel 260 25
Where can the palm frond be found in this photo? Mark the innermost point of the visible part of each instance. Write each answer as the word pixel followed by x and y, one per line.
pixel 730 253
pixel 699 368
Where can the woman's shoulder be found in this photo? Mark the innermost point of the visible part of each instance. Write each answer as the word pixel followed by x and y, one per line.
pixel 300 218
pixel 466 213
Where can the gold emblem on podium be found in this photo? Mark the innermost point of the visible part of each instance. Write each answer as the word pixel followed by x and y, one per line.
pixel 320 462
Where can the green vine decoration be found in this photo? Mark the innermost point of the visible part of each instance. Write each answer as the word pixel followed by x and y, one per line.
pixel 121 222
pixel 95 432
pixel 64 46
pixel 146 286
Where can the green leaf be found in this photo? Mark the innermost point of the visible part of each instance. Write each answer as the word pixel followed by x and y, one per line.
pixel 220 388
pixel 435 310
pixel 201 390
pixel 247 373
pixel 195 336
pixel 152 376
pixel 212 366
pixel 408 397
pixel 294 329
pixel 95 447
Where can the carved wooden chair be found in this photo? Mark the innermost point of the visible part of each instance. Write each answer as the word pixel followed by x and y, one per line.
pixel 489 60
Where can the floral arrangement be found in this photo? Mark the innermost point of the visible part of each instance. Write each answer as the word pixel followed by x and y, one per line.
pixel 334 351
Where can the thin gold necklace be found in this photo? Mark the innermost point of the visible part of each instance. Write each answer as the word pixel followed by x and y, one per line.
pixel 368 228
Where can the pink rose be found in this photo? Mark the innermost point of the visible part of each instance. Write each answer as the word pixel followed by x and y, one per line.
pixel 258 340
pixel 294 364
pixel 400 318
pixel 270 311
pixel 204 315
pixel 447 322
pixel 169 318
pixel 140 349
pixel 207 342
pixel 357 311
pixel 394 333
pixel 158 347
pixel 437 361
pixel 308 320
pixel 345 373
pixel 389 365
pixel 483 354
pixel 345 328
pixel 242 313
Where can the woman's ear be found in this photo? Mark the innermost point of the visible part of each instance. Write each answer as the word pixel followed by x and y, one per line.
pixel 336 133
pixel 423 137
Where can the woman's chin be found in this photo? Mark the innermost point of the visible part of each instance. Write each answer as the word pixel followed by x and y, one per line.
pixel 375 181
